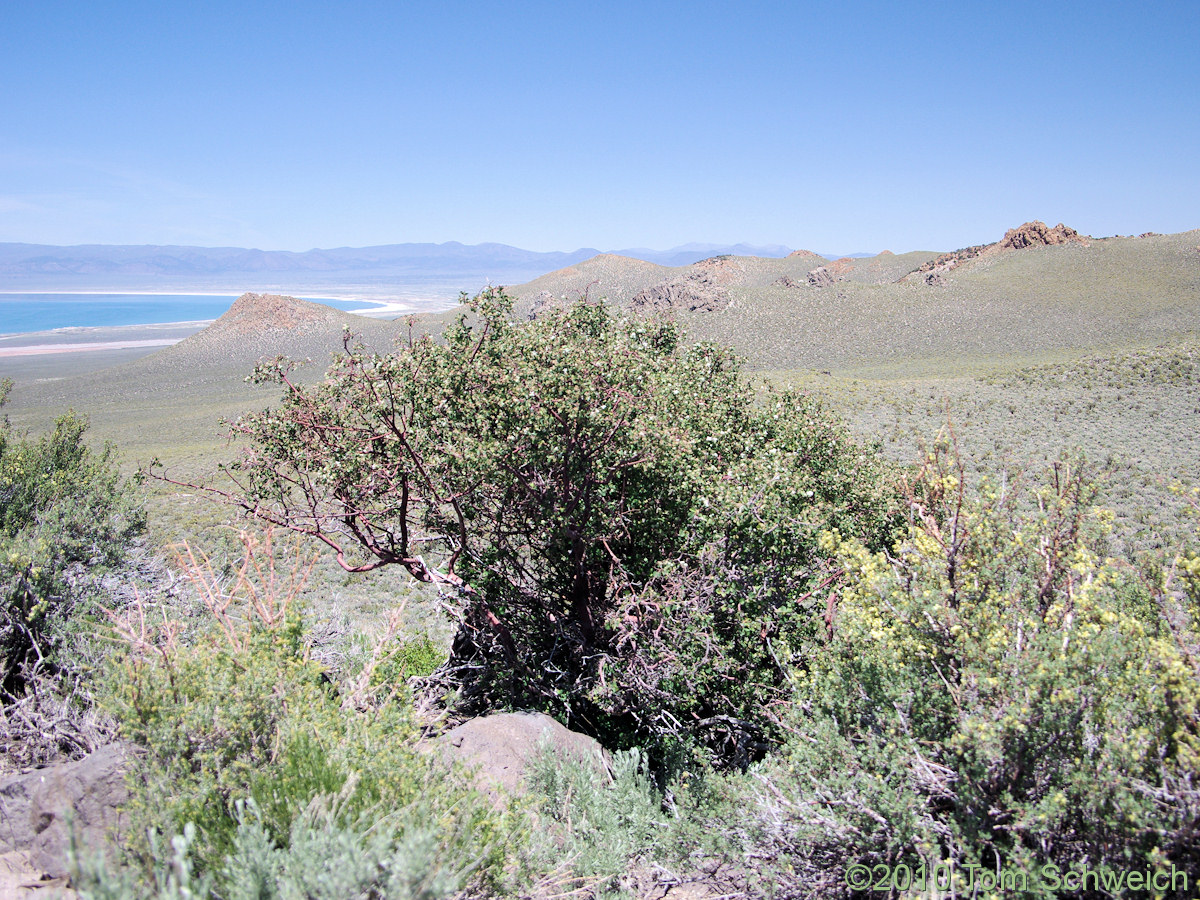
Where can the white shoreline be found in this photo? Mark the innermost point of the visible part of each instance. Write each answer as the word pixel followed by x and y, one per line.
pixel 81 329
pixel 233 294
pixel 84 347
pixel 343 296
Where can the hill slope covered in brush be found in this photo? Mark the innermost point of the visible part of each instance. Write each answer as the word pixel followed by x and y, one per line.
pixel 1026 297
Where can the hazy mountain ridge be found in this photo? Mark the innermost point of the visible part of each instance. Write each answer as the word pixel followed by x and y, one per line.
pixel 421 263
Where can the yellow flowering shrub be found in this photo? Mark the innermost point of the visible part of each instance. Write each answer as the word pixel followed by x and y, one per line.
pixel 997 691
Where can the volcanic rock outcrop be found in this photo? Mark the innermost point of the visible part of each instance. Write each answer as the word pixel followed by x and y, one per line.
pixel 807 254
pixel 1031 234
pixel 253 314
pixel 1038 234
pixel 268 325
pixel 544 302
pixel 820 277
pixel 703 289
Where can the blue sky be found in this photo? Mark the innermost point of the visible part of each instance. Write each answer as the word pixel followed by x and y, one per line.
pixel 830 126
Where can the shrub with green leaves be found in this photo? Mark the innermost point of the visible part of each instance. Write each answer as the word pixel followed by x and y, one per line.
pixel 601 834
pixel 242 734
pixel 398 855
pixel 996 692
pixel 708 647
pixel 65 516
pixel 558 478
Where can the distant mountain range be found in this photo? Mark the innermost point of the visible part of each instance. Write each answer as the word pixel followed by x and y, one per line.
pixel 451 266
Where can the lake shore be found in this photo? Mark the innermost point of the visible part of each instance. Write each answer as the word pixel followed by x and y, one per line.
pixel 149 337
pixel 91 339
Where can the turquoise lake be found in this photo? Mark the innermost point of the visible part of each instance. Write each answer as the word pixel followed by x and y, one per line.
pixel 21 313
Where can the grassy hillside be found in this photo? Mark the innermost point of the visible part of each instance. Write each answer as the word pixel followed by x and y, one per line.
pixel 1087 345
pixel 615 277
pixel 1130 413
pixel 1041 304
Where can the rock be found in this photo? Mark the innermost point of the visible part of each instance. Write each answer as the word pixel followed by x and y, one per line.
pixel 1035 234
pixel 20 879
pixel 820 277
pixel 702 289
pixel 35 806
pixel 948 261
pixel 935 279
pixel 677 295
pixel 787 281
pixel 688 293
pixel 544 302
pixel 500 747
pixel 1031 234
pixel 693 890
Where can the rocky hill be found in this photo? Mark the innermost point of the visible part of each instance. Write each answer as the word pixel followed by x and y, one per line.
pixel 616 278
pixel 260 326
pixel 1031 234
pixel 1036 290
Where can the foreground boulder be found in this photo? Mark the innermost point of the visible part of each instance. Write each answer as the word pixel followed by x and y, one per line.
pixel 35 808
pixel 500 748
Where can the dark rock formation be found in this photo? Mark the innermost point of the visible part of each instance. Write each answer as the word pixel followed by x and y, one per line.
pixel 948 261
pixel 787 281
pixel 683 294
pixel 703 289
pixel 544 302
